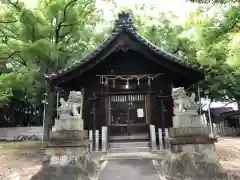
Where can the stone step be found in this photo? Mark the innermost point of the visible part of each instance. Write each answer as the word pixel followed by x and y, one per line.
pixel 128 144
pixel 133 155
pixel 129 150
pixel 144 136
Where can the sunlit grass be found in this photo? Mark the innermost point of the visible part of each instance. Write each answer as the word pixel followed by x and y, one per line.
pixel 21 145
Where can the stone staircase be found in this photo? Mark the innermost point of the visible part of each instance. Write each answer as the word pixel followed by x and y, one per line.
pixel 128 146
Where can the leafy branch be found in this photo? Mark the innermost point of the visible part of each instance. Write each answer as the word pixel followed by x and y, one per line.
pixel 60 24
pixel 8 22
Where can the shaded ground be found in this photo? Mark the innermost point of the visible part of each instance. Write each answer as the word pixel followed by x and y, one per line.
pixel 26 157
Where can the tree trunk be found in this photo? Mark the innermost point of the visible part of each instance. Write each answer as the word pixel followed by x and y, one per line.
pixel 49 114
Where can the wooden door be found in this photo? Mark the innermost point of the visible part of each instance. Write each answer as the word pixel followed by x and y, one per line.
pixel 128 114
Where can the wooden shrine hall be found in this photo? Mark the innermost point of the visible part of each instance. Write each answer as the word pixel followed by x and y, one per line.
pixel 127 82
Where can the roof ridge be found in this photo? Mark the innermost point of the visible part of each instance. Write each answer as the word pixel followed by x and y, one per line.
pixel 124 23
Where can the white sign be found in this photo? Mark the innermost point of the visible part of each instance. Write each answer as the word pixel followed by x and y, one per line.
pixel 140 113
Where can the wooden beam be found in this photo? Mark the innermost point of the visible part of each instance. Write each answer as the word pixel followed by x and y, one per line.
pixel 124 93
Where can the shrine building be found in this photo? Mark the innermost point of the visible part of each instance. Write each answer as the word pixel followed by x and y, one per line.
pixel 127 82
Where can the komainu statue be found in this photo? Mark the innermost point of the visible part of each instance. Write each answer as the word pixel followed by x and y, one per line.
pixel 75 101
pixel 181 101
pixel 72 106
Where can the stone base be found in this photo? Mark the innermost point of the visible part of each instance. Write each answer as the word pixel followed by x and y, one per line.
pixel 66 135
pixel 199 144
pixel 191 140
pixel 207 150
pixel 78 157
pixel 75 157
pixel 68 151
pixel 63 154
pixel 69 124
pixel 189 131
pixel 192 166
pixel 186 120
pixel 66 147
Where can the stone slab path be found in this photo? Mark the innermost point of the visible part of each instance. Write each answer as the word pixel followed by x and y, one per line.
pixel 132 169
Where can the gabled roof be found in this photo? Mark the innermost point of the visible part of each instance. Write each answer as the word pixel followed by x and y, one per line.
pixel 231 115
pixel 219 110
pixel 124 24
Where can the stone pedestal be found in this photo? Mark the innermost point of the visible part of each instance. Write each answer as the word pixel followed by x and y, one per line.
pixel 189 134
pixel 68 146
pixel 70 123
pixel 189 118
pixel 193 139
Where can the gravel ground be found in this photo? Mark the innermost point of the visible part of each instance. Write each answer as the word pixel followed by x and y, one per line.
pixel 19 157
pixel 228 149
pixel 25 157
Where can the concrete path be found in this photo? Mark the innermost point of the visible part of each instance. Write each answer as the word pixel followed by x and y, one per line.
pixel 132 169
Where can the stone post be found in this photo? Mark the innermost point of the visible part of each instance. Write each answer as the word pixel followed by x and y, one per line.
pixel 96 140
pixel 153 137
pixel 104 138
pixel 189 134
pixel 161 147
pixel 68 145
pixel 91 140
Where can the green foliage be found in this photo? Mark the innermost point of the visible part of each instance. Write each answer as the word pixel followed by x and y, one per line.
pixel 59 32
pixel 216 44
pixel 209 36
pixel 41 40
pixel 213 1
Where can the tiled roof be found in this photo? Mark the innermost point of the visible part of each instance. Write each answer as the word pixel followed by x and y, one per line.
pixel 124 24
pixel 218 111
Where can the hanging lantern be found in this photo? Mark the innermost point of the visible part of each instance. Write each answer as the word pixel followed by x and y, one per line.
pixel 101 80
pixel 106 82
pixel 113 83
pixel 127 84
pixel 149 81
pixel 138 81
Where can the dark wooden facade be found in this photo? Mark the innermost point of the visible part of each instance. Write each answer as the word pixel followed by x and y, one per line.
pixel 127 63
pixel 111 103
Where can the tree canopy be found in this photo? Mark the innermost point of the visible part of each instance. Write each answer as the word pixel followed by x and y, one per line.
pixel 209 36
pixel 41 40
pixel 54 34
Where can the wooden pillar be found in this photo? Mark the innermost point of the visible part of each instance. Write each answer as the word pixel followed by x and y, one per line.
pixel 148 109
pixel 148 104
pixel 107 110
pixel 162 115
pixel 107 106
